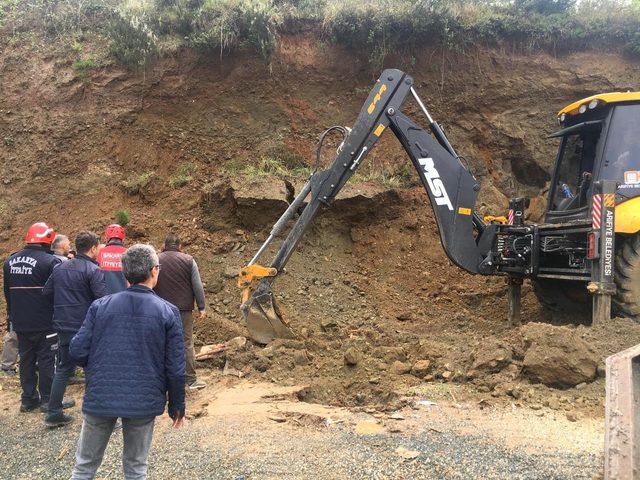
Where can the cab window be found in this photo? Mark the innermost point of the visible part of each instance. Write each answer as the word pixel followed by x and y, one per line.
pixel 622 150
pixel 575 167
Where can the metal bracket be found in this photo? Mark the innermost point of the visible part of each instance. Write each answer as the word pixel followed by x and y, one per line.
pixel 250 276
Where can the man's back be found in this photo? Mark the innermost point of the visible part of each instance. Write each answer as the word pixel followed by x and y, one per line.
pixel 61 257
pixel 174 281
pixel 25 274
pixel 110 261
pixel 74 285
pixel 131 346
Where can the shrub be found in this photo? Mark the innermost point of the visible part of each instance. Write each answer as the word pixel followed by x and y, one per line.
pixel 122 217
pixel 381 29
pixel 83 67
pixel 133 43
pixel 223 25
pixel 182 176
pixel 633 46
pixel 400 27
pixel 137 184
pixel 55 17
pixel 174 16
pixel 545 7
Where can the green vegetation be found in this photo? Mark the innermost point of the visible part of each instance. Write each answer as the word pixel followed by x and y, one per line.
pixel 183 175
pixel 84 67
pixel 265 166
pixel 136 184
pixel 225 25
pixel 138 31
pixel 133 43
pixel 529 25
pixel 392 176
pixel 122 217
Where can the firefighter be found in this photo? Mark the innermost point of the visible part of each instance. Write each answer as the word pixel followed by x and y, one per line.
pixel 109 259
pixel 31 314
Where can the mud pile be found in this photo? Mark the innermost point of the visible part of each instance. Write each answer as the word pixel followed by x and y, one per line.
pixel 381 315
pixel 557 357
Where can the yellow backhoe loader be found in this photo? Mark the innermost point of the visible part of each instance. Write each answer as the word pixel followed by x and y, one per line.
pixel 588 245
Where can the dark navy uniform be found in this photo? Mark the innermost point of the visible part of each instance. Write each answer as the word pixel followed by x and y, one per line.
pixel 31 315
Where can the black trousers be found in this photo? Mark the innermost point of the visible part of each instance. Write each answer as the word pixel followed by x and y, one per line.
pixel 37 359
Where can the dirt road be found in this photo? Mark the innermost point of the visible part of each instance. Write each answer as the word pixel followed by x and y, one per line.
pixel 244 430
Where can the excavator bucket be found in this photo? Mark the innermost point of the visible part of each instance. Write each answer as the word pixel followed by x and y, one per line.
pixel 263 318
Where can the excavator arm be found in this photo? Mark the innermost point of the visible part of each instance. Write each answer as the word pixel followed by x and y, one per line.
pixel 452 190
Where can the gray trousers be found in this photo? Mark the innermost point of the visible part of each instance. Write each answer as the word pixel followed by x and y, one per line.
pixel 94 436
pixel 187 329
pixel 10 351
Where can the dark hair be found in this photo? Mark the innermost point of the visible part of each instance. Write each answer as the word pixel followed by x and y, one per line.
pixel 172 240
pixel 137 263
pixel 85 241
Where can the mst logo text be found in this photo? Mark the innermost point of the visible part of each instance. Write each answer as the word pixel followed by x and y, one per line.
pixel 434 181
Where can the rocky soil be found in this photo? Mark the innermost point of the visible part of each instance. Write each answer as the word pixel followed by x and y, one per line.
pixel 378 310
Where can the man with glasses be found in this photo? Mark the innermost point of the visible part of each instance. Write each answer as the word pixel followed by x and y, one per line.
pixel 132 349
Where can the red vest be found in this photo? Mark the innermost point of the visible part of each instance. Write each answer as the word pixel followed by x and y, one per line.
pixel 110 258
pixel 110 261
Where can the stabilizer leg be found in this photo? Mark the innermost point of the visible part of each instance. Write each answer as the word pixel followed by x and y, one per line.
pixel 515 299
pixel 601 308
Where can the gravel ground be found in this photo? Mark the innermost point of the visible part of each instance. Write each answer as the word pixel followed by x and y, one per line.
pixel 241 448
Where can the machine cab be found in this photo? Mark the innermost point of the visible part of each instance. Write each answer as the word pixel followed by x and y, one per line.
pixel 600 140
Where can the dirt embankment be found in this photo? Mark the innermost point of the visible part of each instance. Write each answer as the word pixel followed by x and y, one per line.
pixel 379 310
pixel 382 317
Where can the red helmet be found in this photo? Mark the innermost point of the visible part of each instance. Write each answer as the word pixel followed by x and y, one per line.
pixel 40 233
pixel 114 231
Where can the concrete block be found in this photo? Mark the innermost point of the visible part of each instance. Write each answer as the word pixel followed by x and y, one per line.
pixel 622 422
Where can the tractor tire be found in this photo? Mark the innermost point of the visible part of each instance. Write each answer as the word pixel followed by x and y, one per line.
pixel 626 301
pixel 563 296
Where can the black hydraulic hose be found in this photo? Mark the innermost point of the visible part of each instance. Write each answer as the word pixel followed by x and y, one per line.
pixel 324 134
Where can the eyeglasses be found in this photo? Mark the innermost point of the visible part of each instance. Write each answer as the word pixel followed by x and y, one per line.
pixel 157 266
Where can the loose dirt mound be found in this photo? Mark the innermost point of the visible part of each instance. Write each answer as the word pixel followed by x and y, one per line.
pixel 380 314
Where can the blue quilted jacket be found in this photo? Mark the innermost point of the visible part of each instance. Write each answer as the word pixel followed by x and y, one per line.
pixel 131 347
pixel 74 284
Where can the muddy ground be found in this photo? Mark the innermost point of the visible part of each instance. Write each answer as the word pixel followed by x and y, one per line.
pixel 378 310
pixel 243 429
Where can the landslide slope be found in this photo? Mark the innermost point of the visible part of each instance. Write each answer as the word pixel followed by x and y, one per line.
pixel 201 146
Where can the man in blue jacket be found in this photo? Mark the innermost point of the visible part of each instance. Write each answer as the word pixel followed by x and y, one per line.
pixel 30 313
pixel 132 351
pixel 74 285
